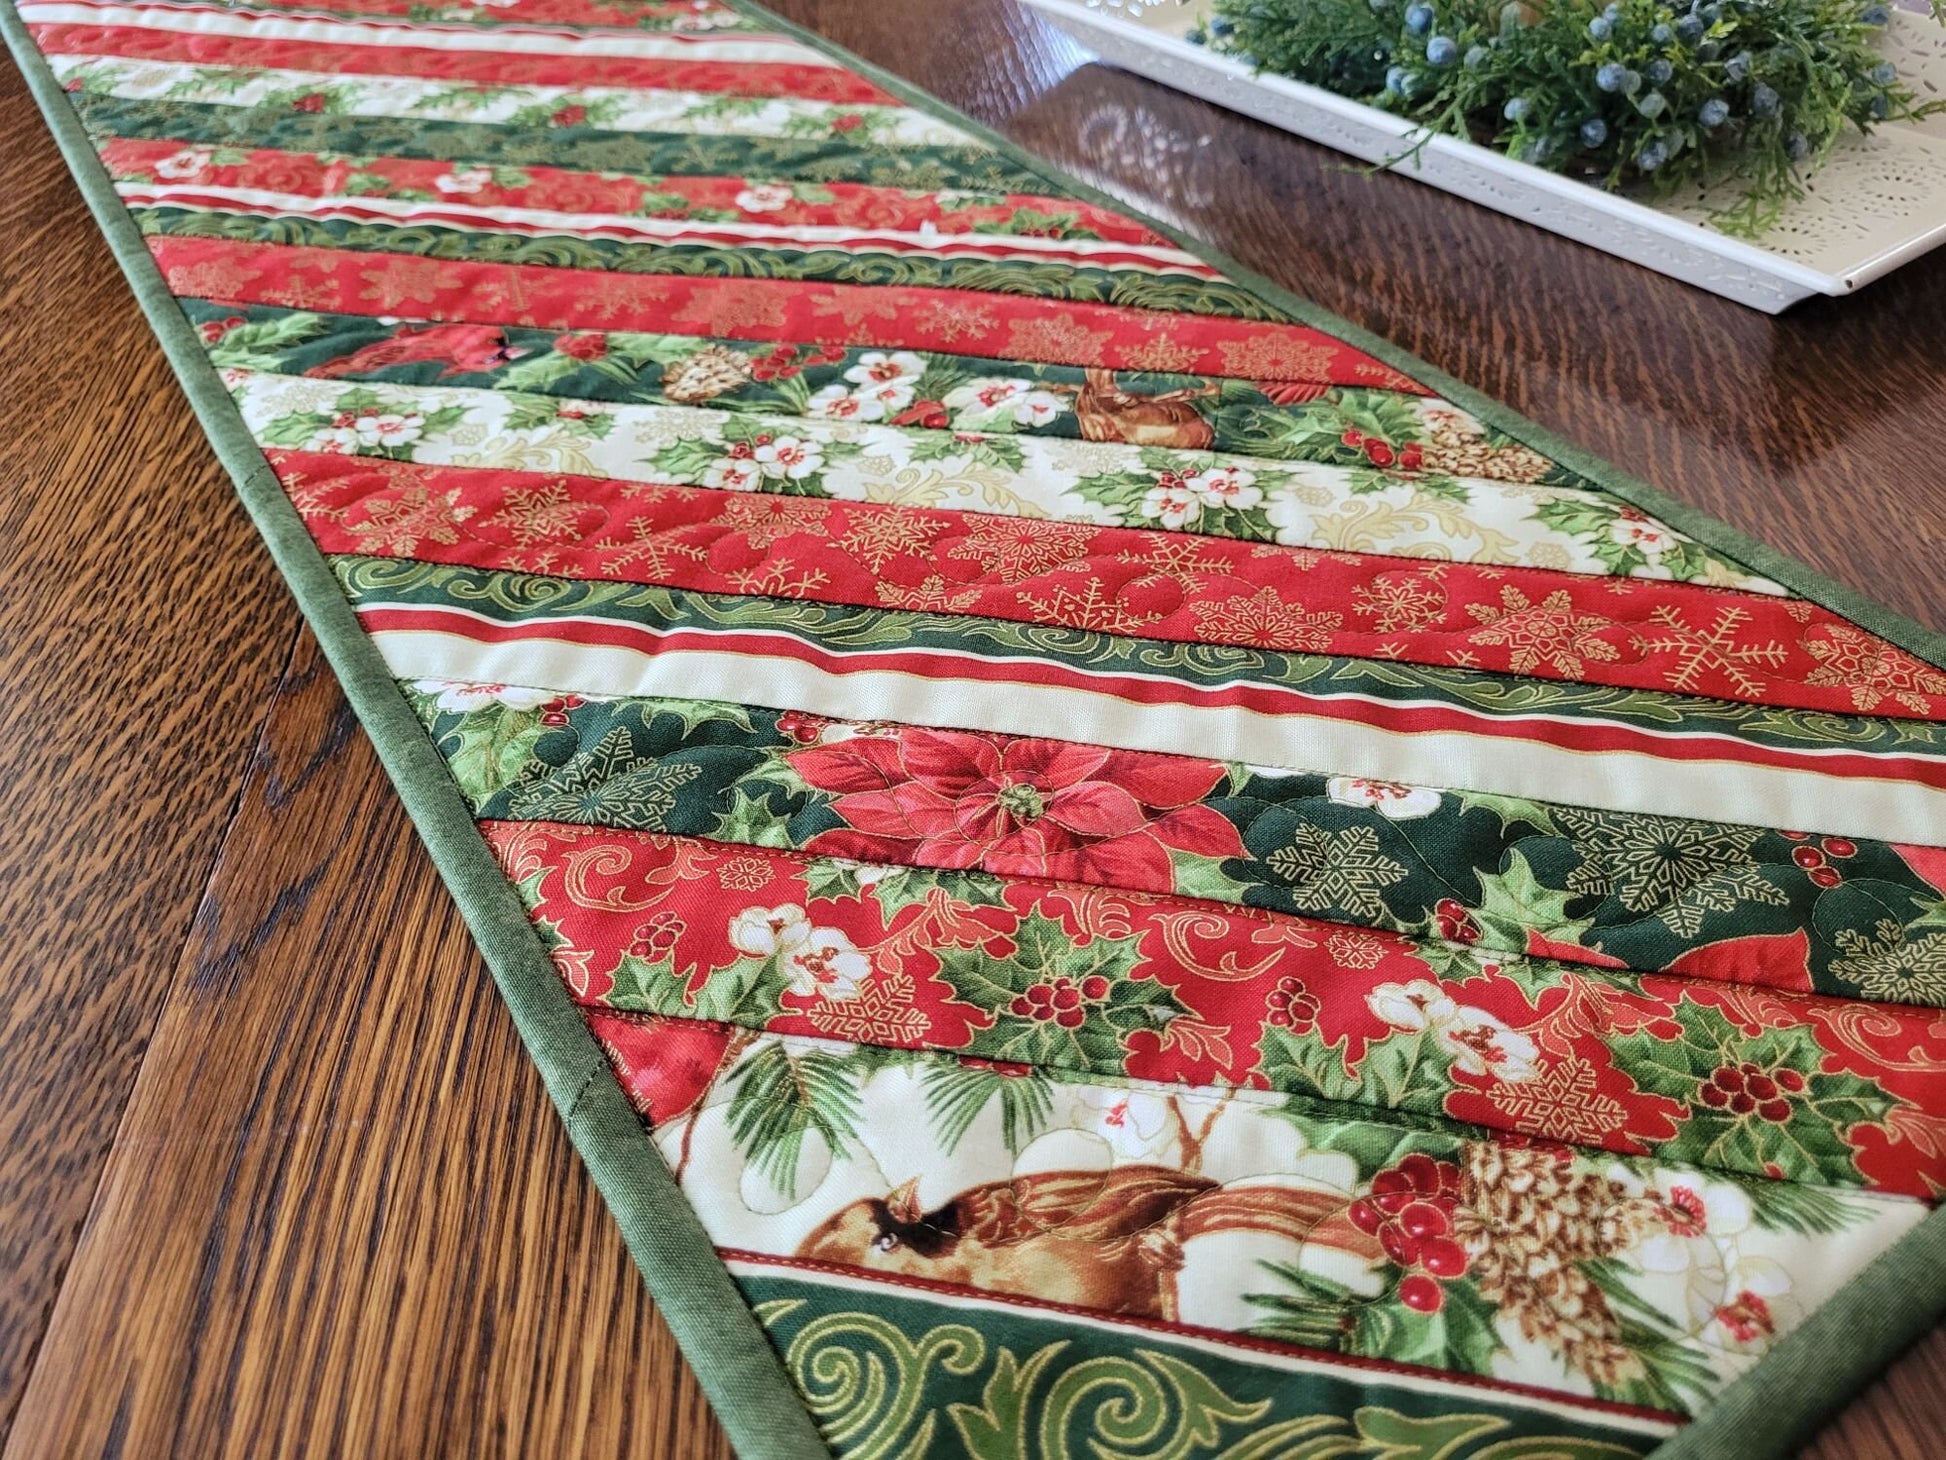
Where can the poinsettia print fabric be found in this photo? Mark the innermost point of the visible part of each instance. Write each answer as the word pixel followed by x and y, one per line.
pixel 1492 874
pixel 1103 828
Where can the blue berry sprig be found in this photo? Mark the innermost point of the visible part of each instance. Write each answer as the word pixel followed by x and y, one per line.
pixel 1624 94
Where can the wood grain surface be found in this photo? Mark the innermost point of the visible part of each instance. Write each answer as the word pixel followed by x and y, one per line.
pixel 328 1210
pixel 141 631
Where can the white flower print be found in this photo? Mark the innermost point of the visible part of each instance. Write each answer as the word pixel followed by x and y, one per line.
pixel 1135 1124
pixel 468 180
pixel 1227 486
pixel 1411 1006
pixel 759 932
pixel 733 474
pixel 836 403
pixel 1172 504
pixel 187 163
pixel 1481 1044
pixel 1475 1041
pixel 1736 1299
pixel 456 698
pixel 992 401
pixel 389 429
pixel 336 439
pixel 1037 408
pixel 1632 529
pixel 765 198
pixel 1391 800
pixel 822 962
pixel 877 367
pixel 788 457
pixel 868 403
pixel 889 397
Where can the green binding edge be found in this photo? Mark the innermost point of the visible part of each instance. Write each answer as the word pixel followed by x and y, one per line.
pixel 734 1360
pixel 1798 1385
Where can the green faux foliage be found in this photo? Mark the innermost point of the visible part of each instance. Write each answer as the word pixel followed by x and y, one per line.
pixel 1635 94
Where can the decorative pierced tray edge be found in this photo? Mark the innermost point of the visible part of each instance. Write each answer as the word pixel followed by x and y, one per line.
pixel 1763 279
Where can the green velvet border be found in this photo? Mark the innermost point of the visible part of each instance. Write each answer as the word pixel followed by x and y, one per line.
pixel 1800 1384
pixel 734 1360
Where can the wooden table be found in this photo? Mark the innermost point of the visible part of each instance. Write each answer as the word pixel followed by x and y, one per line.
pixel 275 1175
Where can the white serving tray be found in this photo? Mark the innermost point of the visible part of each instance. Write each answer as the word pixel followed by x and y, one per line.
pixel 1878 203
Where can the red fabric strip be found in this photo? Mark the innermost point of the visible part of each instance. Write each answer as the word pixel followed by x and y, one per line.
pixel 1568 732
pixel 1129 581
pixel 1233 975
pixel 487 68
pixel 953 321
pixel 623 15
pixel 840 205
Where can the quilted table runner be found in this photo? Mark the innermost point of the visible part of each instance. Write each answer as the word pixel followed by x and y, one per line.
pixel 1099 864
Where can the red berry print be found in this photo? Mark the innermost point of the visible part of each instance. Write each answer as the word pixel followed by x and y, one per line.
pixel 804 729
pixel 554 714
pixel 1410 1210
pixel 1292 1006
pixel 1808 857
pixel 1454 921
pixel 1421 1294
pixel 656 938
pixel 1748 1088
pixel 1058 1000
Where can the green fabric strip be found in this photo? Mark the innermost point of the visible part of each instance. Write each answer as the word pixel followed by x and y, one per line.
pixel 841 629
pixel 1489 871
pixel 1130 289
pixel 638 368
pixel 738 1369
pixel 585 148
pixel 1903 1295
pixel 992 1382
